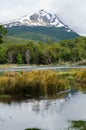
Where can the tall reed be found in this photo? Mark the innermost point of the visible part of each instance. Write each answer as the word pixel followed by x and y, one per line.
pixel 34 83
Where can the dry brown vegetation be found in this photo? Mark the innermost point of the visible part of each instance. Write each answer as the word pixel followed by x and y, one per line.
pixel 81 76
pixel 34 83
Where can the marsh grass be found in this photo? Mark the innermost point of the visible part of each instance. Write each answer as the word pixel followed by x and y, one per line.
pixel 33 83
pixel 81 76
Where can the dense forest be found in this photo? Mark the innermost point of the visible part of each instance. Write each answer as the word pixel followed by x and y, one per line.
pixel 30 52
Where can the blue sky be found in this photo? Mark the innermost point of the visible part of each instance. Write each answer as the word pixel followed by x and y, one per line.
pixel 71 12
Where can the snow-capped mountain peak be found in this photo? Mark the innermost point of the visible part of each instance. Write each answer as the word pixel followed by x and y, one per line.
pixel 40 18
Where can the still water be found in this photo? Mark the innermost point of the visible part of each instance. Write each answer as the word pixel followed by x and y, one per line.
pixel 47 114
pixel 29 68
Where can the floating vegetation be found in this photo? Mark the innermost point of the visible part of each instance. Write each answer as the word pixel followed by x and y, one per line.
pixel 78 125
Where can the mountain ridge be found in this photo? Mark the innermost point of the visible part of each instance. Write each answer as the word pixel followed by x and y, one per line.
pixel 39 18
pixel 40 24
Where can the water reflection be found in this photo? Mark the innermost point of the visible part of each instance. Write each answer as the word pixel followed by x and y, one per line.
pixel 18 99
pixel 31 113
pixel 47 114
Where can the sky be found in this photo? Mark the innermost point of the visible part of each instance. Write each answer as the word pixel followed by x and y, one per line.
pixel 71 12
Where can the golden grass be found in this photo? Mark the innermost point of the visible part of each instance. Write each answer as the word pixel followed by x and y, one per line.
pixel 81 76
pixel 34 83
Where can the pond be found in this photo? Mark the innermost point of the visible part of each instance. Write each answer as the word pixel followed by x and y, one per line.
pixel 46 114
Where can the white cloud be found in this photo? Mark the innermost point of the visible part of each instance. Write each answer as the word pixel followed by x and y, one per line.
pixel 71 12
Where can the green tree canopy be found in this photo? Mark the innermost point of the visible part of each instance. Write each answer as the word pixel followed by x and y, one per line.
pixel 3 31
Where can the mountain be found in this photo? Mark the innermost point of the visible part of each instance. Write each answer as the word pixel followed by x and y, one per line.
pixel 40 18
pixel 41 26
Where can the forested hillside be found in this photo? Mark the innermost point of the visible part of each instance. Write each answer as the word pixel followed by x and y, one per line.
pixel 39 33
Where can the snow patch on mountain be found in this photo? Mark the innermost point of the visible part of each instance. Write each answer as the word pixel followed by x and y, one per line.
pixel 40 18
